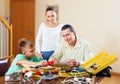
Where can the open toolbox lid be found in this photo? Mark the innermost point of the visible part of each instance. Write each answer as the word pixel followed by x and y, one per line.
pixel 99 62
pixel 93 66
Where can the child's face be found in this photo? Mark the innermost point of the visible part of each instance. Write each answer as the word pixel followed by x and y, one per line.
pixel 29 51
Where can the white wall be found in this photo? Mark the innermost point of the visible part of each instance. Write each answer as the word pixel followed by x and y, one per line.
pixel 95 20
pixel 1 6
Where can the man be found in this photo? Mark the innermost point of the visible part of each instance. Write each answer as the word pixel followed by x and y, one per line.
pixel 71 51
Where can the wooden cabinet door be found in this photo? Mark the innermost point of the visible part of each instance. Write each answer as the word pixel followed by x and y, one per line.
pixel 22 17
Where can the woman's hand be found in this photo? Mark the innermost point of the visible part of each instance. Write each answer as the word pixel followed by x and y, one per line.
pixel 39 55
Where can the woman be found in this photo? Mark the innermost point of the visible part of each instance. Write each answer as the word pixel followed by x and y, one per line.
pixel 48 34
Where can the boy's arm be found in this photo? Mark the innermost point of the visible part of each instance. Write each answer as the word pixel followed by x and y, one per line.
pixel 32 64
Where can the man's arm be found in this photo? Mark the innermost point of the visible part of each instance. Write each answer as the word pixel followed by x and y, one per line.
pixel 88 53
pixel 57 54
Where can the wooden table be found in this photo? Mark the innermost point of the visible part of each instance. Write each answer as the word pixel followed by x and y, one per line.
pixel 54 81
pixel 95 80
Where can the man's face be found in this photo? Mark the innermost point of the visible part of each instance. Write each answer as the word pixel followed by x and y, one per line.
pixel 68 36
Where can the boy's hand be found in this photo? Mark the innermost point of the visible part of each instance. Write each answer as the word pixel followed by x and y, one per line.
pixel 44 63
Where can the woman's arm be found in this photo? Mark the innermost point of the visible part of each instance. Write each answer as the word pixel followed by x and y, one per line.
pixel 38 39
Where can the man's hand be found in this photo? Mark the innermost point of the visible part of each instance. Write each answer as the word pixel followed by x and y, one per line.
pixel 73 63
pixel 54 60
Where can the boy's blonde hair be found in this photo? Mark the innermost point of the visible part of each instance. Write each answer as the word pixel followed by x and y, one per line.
pixel 22 44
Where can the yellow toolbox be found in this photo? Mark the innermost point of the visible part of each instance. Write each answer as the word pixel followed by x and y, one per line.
pixel 94 65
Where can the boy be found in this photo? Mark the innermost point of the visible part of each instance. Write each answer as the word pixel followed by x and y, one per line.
pixel 26 57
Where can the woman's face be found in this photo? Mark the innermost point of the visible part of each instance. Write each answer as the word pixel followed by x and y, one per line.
pixel 51 16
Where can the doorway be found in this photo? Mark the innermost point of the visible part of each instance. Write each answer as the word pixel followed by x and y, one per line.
pixel 22 17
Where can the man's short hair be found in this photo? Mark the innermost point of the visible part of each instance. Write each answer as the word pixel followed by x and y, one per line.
pixel 68 26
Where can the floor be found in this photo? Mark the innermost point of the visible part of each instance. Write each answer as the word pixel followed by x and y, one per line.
pixel 115 79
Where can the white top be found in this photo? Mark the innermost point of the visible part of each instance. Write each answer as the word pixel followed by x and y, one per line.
pixel 48 36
